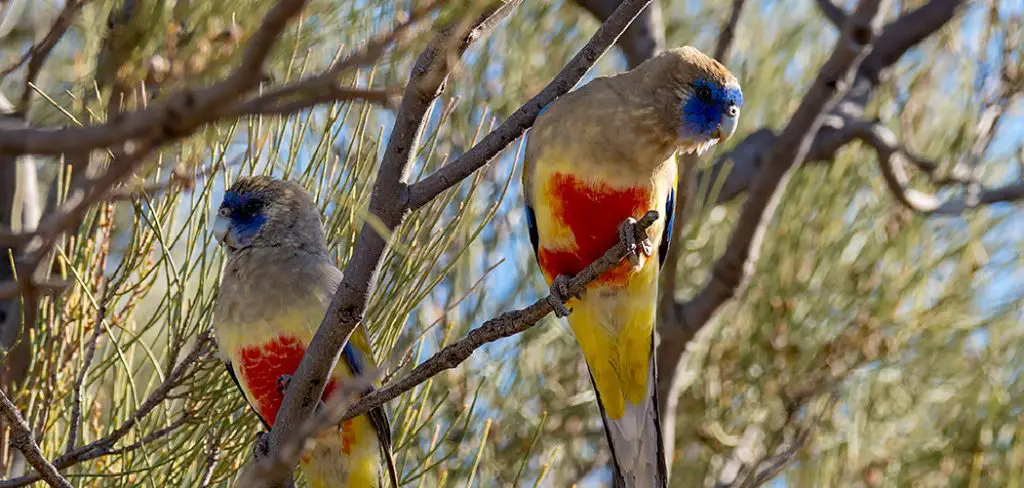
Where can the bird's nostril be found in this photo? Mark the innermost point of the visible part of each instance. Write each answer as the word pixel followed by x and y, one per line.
pixel 733 110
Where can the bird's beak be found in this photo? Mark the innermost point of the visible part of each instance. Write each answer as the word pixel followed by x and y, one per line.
pixel 221 227
pixel 728 126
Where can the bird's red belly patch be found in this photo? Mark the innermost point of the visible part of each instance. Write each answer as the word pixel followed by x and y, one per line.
pixel 593 214
pixel 262 365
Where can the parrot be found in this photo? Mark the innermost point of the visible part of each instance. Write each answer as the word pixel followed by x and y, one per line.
pixel 596 160
pixel 277 284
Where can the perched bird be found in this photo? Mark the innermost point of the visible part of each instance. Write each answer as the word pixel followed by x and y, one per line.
pixel 596 157
pixel 276 288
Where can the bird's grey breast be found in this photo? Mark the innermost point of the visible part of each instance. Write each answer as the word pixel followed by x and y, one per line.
pixel 263 283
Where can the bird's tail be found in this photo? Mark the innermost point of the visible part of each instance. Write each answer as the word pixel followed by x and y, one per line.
pixel 389 461
pixel 638 451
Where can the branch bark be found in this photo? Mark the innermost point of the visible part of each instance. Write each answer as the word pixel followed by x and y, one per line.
pixel 681 322
pixel 105 446
pixel 892 157
pixel 479 155
pixel 393 199
pixel 24 441
pixel 644 38
pixel 339 409
pixel 389 202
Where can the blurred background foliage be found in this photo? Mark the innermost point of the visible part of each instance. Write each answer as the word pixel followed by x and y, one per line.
pixel 888 341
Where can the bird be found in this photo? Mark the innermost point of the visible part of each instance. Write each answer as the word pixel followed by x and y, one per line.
pixel 598 159
pixel 276 286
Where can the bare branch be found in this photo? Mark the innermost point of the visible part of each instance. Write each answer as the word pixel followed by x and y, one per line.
pixel 37 54
pixel 22 439
pixel 338 409
pixel 479 155
pixel 832 12
pixel 278 105
pixel 644 38
pixel 505 325
pixel 908 31
pixel 745 160
pixel 728 32
pixel 891 158
pixel 389 203
pixel 105 446
pixel 177 116
pixel 789 149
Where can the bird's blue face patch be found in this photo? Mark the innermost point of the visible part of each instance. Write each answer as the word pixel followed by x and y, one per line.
pixel 703 111
pixel 245 212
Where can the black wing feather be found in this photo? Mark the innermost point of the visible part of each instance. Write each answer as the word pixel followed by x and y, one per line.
pixel 531 222
pixel 666 239
pixel 231 373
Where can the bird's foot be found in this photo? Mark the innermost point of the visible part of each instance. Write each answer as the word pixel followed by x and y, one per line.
pixel 636 241
pixel 282 383
pixel 559 295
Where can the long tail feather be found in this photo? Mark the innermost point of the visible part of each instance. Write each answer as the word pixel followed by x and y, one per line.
pixel 638 449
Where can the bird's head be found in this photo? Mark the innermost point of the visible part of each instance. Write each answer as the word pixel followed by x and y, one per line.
pixel 706 98
pixel 261 211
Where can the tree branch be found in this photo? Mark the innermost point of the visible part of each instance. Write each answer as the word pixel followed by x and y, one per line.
pixel 832 12
pixel 104 447
pixel 787 152
pixel 177 116
pixel 727 34
pixel 338 409
pixel 744 161
pixel 389 203
pixel 891 158
pixel 37 54
pixel 21 438
pixel 644 38
pixel 505 325
pixel 392 198
pixel 479 155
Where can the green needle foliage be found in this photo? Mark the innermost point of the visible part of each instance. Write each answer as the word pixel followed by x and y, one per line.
pixel 879 346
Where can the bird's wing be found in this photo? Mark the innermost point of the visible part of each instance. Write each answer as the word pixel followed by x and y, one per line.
pixel 231 373
pixel 531 223
pixel 666 236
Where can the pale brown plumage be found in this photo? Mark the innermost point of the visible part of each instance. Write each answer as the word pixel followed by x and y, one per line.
pixel 600 155
pixel 275 290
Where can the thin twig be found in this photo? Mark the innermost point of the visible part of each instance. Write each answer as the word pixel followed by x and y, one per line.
pixel 479 155
pixel 339 408
pixel 891 156
pixel 22 439
pixel 505 325
pixel 90 351
pixel 104 447
pixel 727 35
pixel 389 203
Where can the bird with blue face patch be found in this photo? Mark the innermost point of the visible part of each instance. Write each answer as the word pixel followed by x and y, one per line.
pixel 596 157
pixel 275 290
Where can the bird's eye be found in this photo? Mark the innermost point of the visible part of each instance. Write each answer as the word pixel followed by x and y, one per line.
pixel 252 207
pixel 703 93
